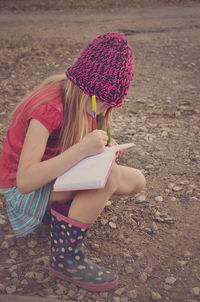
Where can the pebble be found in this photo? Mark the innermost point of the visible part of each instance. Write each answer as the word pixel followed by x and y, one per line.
pixel 187 254
pixel 112 225
pixel 143 277
pixel 116 299
pixel 32 243
pixel 171 185
pixel 129 270
pixel 140 199
pixel 181 262
pixel 11 289
pixel 155 296
pixel 119 291
pixel 195 291
pixel 124 299
pixel 170 280
pixel 104 221
pixel 2 288
pixel 141 101
pixel 101 294
pixel 177 188
pixel 132 294
pixel 109 203
pixel 30 275
pixel 2 221
pixel 4 245
pixel 167 287
pixel 159 198
pixel 148 231
pixel 13 254
pixel 154 227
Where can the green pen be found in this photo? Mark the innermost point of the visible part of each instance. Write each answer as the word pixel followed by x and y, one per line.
pixel 99 126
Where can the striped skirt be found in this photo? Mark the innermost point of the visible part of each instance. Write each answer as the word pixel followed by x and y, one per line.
pixel 26 211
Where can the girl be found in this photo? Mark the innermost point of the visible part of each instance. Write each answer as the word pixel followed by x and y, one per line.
pixel 50 132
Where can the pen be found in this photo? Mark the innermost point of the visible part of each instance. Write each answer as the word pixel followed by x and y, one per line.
pixel 94 112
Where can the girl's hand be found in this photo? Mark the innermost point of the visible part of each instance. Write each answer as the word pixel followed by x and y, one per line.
pixel 94 142
pixel 112 143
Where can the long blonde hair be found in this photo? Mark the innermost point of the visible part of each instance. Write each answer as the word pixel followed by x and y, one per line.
pixel 75 120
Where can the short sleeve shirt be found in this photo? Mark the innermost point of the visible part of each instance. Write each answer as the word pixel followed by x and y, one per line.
pixel 47 109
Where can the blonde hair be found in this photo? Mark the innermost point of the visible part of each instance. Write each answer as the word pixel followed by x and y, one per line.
pixel 75 119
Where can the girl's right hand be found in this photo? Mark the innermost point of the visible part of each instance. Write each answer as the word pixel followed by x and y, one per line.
pixel 94 142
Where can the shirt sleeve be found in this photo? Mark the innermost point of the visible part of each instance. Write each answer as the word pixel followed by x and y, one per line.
pixel 50 116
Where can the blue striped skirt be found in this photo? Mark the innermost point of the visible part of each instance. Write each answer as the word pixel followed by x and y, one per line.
pixel 26 211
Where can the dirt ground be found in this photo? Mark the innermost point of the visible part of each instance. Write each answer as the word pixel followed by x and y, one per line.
pixel 154 242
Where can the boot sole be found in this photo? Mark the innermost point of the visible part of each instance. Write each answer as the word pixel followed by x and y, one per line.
pixel 86 285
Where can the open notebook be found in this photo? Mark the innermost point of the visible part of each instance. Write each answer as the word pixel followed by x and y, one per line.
pixel 91 172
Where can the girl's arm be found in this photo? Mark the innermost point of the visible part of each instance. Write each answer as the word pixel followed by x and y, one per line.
pixel 33 173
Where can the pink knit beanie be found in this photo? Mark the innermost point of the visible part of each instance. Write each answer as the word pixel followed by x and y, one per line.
pixel 105 69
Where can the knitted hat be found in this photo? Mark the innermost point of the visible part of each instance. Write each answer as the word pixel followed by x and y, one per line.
pixel 105 69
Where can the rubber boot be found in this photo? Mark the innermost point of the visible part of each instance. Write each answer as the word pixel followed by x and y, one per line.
pixel 68 261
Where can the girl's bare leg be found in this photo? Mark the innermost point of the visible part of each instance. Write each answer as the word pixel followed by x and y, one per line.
pixel 88 204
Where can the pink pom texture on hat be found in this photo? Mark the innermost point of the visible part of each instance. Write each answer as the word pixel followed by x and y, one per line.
pixel 105 69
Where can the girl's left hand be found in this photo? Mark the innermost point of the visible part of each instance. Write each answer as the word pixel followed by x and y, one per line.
pixel 112 143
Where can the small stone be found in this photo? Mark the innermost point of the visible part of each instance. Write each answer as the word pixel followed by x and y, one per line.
pixel 157 213
pixel 2 221
pixel 31 253
pixel 42 260
pixel 104 221
pixel 24 282
pixel 2 288
pixel 116 299
pixel 4 245
pixel 195 291
pixel 177 188
pixel 112 225
pixel 96 246
pixel 129 269
pixel 11 289
pixel 13 254
pixel 155 296
pixel 170 280
pixel 101 294
pixel 132 294
pixel 181 262
pixel 109 203
pixel 154 227
pixel 30 275
pixel 171 185
pixel 158 198
pixel 187 254
pixel 32 243
pixel 141 101
pixel 167 287
pixel 148 230
pixel 14 275
pixel 119 291
pixel 143 277
pixel 39 276
pixel 141 199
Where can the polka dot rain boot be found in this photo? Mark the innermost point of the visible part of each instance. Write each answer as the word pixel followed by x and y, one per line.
pixel 68 261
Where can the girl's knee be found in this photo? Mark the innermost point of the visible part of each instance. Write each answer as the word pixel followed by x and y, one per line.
pixel 113 180
pixel 140 181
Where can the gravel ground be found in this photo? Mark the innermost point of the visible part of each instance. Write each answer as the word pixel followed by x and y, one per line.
pixel 152 240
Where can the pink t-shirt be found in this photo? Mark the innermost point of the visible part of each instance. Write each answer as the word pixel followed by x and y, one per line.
pixel 49 113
